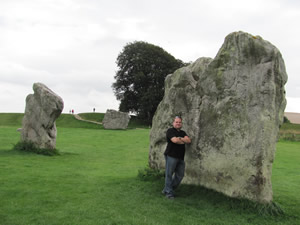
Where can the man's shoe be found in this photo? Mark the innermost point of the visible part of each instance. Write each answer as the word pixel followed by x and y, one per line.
pixel 170 196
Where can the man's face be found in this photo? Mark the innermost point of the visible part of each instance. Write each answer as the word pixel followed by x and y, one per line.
pixel 177 123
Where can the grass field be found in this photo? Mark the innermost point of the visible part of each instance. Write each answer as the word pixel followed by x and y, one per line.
pixel 94 181
pixel 290 132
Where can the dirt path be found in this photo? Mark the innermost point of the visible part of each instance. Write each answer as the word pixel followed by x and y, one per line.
pixel 293 117
pixel 89 121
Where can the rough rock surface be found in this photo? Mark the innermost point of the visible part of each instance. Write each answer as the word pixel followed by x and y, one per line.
pixel 232 107
pixel 115 120
pixel 42 109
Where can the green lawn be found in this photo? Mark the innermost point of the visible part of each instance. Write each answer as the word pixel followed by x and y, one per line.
pixel 94 181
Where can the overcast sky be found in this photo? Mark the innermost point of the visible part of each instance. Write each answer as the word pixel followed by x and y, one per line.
pixel 71 45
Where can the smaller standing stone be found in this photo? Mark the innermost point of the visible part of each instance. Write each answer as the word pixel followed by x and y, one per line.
pixel 115 120
pixel 42 109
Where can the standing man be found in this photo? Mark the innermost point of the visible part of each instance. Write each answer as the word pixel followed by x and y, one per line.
pixel 174 156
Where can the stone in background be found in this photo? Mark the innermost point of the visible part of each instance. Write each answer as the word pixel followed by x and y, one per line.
pixel 115 120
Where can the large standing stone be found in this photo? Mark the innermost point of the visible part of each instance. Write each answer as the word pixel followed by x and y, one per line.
pixel 42 109
pixel 115 120
pixel 232 107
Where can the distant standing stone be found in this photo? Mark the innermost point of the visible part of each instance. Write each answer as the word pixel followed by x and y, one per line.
pixel 42 109
pixel 115 120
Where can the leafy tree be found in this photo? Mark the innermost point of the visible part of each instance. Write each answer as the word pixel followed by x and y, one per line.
pixel 140 79
pixel 286 120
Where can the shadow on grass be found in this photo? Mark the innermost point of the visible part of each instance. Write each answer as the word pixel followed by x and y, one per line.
pixel 197 196
pixel 13 152
pixel 9 152
pixel 216 199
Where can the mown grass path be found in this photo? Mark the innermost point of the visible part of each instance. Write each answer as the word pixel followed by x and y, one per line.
pixel 89 121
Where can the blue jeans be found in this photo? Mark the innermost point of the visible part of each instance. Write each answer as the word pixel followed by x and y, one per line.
pixel 174 174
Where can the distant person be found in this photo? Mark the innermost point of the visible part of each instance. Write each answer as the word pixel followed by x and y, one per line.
pixel 72 111
pixel 94 109
pixel 174 156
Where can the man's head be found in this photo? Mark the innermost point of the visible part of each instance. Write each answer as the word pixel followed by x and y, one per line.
pixel 177 123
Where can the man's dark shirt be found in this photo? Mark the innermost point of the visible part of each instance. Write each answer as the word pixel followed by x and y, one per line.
pixel 175 150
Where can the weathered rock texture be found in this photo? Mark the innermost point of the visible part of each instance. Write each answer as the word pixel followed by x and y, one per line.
pixel 232 107
pixel 42 109
pixel 115 120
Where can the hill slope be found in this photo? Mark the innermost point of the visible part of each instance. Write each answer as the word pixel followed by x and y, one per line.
pixel 68 120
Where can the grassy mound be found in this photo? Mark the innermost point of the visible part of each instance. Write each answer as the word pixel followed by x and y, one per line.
pixel 68 120
pixel 97 117
pixel 289 132
pixel 11 119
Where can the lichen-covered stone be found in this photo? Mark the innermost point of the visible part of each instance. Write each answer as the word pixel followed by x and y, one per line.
pixel 42 109
pixel 115 120
pixel 232 107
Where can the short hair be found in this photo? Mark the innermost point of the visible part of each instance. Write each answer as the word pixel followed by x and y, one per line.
pixel 178 117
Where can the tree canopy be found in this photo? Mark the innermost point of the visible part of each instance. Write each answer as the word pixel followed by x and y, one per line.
pixel 140 78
